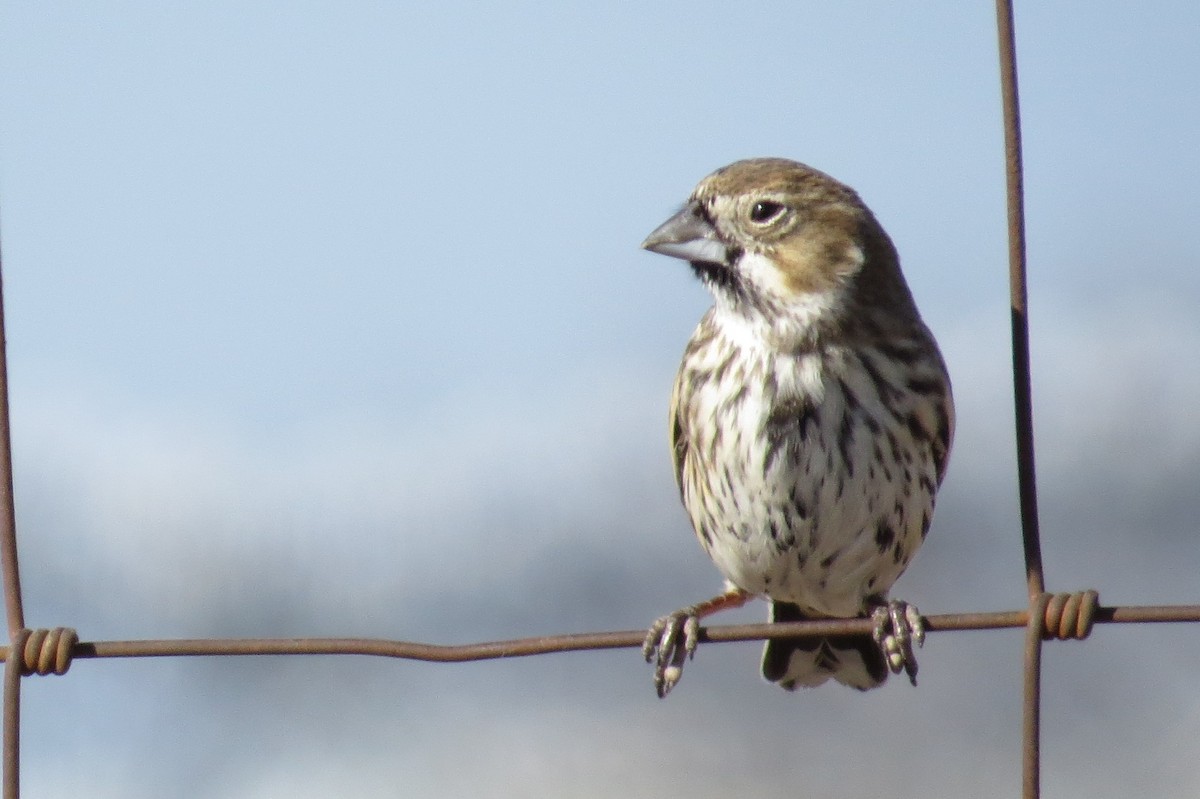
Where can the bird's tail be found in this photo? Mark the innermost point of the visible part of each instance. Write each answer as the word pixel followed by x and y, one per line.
pixel 853 660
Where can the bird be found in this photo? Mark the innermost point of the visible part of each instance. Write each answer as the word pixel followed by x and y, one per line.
pixel 811 421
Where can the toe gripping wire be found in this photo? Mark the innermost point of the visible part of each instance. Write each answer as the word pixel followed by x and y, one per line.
pixel 45 651
pixel 1069 616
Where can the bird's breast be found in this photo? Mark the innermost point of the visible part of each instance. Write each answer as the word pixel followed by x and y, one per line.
pixel 809 477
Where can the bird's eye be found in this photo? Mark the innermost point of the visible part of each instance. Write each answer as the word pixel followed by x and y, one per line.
pixel 764 211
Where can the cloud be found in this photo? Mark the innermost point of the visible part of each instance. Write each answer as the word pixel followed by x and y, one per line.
pixel 511 514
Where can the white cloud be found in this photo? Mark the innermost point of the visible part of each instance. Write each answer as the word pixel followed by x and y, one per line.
pixel 501 514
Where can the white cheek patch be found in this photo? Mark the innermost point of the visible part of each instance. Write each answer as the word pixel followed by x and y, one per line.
pixel 800 310
pixel 760 272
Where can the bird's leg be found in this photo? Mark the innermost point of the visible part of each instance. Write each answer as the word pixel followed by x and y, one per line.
pixel 674 636
pixel 897 626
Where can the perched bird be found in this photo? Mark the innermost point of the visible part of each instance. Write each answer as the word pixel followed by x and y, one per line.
pixel 811 420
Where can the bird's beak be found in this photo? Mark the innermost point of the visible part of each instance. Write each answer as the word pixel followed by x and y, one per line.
pixel 689 236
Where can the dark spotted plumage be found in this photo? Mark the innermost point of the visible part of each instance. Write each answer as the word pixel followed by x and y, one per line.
pixel 811 418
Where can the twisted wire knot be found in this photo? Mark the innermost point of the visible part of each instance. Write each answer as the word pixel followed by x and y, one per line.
pixel 48 651
pixel 1070 615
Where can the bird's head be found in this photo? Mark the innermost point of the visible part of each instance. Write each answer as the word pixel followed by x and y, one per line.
pixel 775 240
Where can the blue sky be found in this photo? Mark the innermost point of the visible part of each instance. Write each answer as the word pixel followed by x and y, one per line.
pixel 331 320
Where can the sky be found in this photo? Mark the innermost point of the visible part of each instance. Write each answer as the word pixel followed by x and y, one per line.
pixel 330 320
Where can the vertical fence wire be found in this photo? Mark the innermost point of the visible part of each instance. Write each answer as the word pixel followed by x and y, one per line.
pixel 12 719
pixel 14 611
pixel 1022 393
pixel 1023 403
pixel 1031 717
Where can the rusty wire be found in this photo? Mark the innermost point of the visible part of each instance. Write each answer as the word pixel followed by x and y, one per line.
pixel 1023 403
pixel 14 612
pixel 1071 610
pixel 1019 300
pixel 1058 616
pixel 1031 701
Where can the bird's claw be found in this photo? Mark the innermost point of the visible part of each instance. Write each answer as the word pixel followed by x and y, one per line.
pixel 898 625
pixel 670 641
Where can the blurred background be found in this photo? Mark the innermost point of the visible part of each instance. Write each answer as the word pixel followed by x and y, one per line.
pixel 330 320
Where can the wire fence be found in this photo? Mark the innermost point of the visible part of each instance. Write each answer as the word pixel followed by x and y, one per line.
pixel 1061 616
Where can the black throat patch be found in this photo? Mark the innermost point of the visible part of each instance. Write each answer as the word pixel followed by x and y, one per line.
pixel 720 277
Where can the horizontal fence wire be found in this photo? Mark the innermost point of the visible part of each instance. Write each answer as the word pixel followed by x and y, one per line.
pixel 576 642
pixel 1048 616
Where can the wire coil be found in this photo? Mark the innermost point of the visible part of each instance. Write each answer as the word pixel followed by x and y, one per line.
pixel 1070 616
pixel 48 651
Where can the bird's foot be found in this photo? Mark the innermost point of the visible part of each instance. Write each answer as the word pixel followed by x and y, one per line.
pixel 672 639
pixel 898 625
